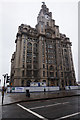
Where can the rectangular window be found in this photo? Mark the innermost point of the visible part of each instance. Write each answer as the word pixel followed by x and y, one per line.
pixel 35 66
pixel 47 23
pixel 51 74
pixel 56 68
pixel 43 65
pixel 56 74
pixel 23 73
pixel 65 50
pixel 61 67
pixel 29 66
pixel 24 41
pixel 50 61
pixel 23 52
pixel 47 73
pixel 43 60
pixel 47 67
pixel 41 29
pixel 46 61
pixel 35 73
pixel 50 46
pixel 23 65
pixel 43 73
pixel 29 73
pixel 61 74
pixel 42 26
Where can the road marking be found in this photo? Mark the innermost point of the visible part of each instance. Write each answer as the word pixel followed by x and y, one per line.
pixel 39 116
pixel 48 105
pixel 67 116
pixel 65 103
pixel 45 106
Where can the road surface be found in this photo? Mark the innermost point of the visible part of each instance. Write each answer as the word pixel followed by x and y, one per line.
pixel 57 109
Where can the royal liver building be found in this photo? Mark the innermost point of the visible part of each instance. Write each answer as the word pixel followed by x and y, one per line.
pixel 43 54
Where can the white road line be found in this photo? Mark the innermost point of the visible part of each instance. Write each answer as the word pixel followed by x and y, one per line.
pixel 65 103
pixel 67 116
pixel 39 116
pixel 45 106
pixel 48 105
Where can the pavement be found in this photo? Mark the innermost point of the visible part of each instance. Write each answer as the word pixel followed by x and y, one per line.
pixel 11 98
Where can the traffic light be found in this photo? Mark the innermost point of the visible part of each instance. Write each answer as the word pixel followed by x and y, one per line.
pixel 8 79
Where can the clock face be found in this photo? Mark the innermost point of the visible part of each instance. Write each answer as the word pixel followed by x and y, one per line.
pixel 47 17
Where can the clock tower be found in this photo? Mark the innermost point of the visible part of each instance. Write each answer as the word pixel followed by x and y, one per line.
pixel 44 19
pixel 45 23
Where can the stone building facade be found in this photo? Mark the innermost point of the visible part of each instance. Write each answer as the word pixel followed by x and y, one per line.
pixel 43 54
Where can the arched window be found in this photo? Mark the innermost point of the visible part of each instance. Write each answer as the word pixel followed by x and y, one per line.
pixel 35 80
pixel 44 80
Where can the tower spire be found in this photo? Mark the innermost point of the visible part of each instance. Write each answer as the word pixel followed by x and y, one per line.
pixel 43 3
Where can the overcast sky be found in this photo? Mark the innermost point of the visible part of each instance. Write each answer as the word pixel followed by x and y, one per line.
pixel 13 14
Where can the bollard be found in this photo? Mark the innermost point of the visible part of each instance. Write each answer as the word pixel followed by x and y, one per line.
pixel 27 93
